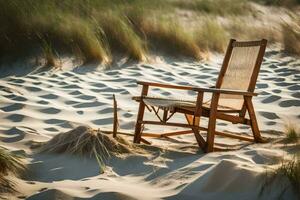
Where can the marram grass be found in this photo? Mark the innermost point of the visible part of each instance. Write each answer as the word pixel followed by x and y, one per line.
pixel 87 142
pixel 292 135
pixel 10 164
pixel 97 30
pixel 286 174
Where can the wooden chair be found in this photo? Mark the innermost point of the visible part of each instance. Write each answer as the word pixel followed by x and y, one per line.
pixel 231 99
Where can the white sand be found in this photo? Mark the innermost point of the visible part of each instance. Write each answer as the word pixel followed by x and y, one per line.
pixel 37 106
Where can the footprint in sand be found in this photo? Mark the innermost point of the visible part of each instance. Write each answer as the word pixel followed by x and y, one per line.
pixel 86 97
pixel 271 99
pixel 13 107
pixel 90 104
pixel 294 88
pixel 49 96
pixel 80 112
pixel 18 98
pixel 104 121
pixel 105 110
pixel 296 95
pixel 54 121
pixel 71 102
pixel 261 85
pixel 289 103
pixel 270 123
pixel 17 133
pixel 127 115
pixel 51 129
pixel 33 89
pixel 51 111
pixel 276 91
pixel 269 115
pixel 15 117
pixel 43 102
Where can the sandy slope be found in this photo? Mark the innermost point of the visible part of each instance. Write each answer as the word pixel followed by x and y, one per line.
pixel 36 106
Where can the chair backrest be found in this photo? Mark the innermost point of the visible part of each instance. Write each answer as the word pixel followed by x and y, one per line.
pixel 240 70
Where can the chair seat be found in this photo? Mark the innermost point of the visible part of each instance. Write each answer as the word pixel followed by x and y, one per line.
pixel 172 104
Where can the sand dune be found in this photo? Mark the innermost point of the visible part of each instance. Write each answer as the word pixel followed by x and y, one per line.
pixel 39 105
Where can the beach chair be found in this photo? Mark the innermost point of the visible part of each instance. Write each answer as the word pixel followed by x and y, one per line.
pixel 231 99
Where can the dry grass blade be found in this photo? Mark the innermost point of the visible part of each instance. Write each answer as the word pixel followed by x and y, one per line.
pixel 291 36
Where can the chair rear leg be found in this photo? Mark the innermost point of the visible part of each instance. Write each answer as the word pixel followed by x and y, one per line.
pixel 140 116
pixel 253 120
pixel 192 120
pixel 211 133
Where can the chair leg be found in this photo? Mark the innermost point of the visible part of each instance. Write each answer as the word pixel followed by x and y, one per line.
pixel 212 124
pixel 192 120
pixel 253 120
pixel 211 133
pixel 140 116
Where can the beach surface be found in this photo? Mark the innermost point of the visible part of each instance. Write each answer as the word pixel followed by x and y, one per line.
pixel 39 104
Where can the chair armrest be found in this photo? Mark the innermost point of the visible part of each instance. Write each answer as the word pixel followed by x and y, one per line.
pixel 225 91
pixel 179 87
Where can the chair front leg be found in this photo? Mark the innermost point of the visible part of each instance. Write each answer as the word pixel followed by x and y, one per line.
pixel 212 123
pixel 253 120
pixel 140 116
pixel 196 120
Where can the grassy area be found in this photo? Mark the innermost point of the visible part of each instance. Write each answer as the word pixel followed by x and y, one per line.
pixel 96 30
pixel 216 7
pixel 288 170
pixel 9 164
pixel 291 36
pixel 291 134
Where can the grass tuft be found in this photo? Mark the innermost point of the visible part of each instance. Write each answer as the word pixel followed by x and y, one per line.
pixel 291 36
pixel 289 169
pixel 212 36
pixel 121 36
pixel 87 142
pixel 291 134
pixel 10 163
pixel 170 37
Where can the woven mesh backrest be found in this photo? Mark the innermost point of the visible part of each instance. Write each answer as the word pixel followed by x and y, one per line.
pixel 238 74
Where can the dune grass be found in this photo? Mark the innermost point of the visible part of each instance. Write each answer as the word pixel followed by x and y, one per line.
pixel 291 134
pixel 97 30
pixel 288 170
pixel 9 164
pixel 218 36
pixel 87 142
pixel 169 36
pixel 291 36
pixel 216 7
pixel 287 3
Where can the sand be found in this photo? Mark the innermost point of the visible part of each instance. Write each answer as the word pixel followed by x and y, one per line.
pixel 37 105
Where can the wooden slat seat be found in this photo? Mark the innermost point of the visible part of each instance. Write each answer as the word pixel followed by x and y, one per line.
pixel 172 104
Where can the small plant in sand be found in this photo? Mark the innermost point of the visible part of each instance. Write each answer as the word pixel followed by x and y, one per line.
pixel 9 164
pixel 88 142
pixel 289 169
pixel 291 134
